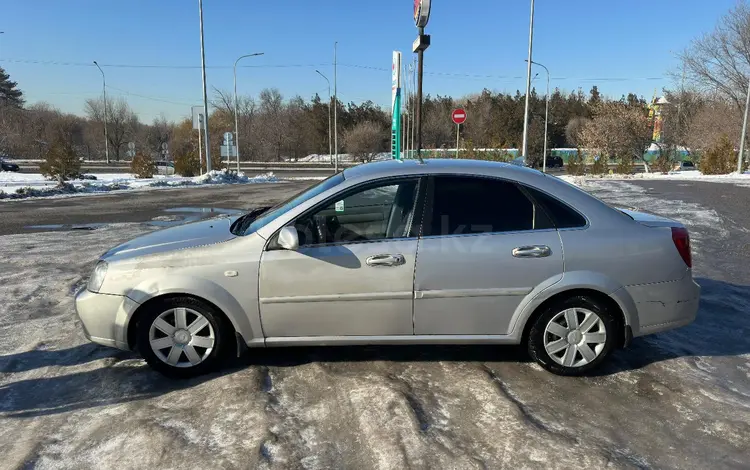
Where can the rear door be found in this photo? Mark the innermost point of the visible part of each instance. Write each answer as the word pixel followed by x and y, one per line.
pixel 486 246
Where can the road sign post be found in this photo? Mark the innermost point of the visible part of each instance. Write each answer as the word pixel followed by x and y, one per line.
pixel 396 106
pixel 131 150
pixel 459 117
pixel 228 143
pixel 197 113
pixel 421 17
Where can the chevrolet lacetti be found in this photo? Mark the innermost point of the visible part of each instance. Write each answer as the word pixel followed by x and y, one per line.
pixel 440 252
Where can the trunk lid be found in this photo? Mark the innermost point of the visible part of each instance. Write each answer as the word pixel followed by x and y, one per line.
pixel 650 220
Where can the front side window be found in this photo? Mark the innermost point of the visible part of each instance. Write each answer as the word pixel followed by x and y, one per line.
pixel 371 213
pixel 470 205
pixel 285 206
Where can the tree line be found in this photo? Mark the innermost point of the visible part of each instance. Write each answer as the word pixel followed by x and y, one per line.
pixel 702 111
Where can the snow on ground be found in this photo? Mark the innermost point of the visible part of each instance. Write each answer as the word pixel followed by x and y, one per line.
pixel 675 400
pixel 343 157
pixel 740 179
pixel 26 185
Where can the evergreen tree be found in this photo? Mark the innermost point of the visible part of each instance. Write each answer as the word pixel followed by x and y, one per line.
pixel 595 97
pixel 9 92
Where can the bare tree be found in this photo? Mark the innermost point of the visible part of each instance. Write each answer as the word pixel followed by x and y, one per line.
pixel 720 61
pixel 365 140
pixel 157 134
pixel 715 118
pixel 121 121
pixel 618 130
pixel 573 130
pixel 247 108
pixel 273 128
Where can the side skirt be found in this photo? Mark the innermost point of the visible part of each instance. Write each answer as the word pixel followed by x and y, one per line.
pixel 387 340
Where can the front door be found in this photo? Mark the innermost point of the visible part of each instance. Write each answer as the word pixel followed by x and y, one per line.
pixel 353 274
pixel 486 247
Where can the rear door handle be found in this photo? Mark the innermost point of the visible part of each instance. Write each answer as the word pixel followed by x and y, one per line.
pixel 386 260
pixel 531 251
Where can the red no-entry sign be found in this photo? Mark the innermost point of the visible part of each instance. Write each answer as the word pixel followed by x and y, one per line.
pixel 458 116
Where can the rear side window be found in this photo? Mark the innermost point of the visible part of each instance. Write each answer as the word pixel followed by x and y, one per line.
pixel 471 205
pixel 562 215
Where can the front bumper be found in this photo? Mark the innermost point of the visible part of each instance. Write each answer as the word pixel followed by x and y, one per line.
pixel 665 305
pixel 105 317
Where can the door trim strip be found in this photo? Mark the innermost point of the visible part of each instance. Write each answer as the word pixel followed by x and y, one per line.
pixel 491 292
pixel 337 297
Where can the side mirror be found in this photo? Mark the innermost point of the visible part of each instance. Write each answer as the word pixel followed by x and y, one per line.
pixel 288 238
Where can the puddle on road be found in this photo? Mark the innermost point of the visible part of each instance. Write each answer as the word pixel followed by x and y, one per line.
pixel 177 216
pixel 50 227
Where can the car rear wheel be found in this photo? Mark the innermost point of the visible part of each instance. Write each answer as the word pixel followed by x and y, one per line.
pixel 182 337
pixel 573 336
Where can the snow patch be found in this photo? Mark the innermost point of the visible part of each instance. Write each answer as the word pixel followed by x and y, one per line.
pixel 34 185
pixel 740 179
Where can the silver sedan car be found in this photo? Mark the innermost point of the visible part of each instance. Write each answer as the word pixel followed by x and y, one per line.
pixel 441 252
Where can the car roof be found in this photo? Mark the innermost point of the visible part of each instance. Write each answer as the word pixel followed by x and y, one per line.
pixel 387 168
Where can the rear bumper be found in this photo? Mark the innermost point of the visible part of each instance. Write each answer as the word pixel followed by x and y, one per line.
pixel 105 317
pixel 665 305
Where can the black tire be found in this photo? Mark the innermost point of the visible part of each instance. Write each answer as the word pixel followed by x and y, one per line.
pixel 537 334
pixel 222 333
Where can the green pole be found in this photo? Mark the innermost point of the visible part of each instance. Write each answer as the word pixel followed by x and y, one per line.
pixel 396 127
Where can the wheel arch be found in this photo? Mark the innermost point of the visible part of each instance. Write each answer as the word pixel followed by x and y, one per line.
pixel 132 328
pixel 590 284
pixel 203 290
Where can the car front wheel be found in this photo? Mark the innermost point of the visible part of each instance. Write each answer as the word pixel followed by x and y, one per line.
pixel 573 336
pixel 182 337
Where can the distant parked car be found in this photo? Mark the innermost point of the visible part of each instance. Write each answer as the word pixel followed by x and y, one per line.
pixel 165 168
pixel 685 165
pixel 553 161
pixel 5 165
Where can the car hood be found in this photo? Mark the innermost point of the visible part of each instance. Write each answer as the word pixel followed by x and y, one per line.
pixel 206 232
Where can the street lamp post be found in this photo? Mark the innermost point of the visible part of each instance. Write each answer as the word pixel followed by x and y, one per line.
pixel 528 85
pixel 330 143
pixel 205 94
pixel 546 119
pixel 104 90
pixel 236 120
pixel 335 109
pixel 744 131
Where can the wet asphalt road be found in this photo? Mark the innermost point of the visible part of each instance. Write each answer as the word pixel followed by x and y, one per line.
pixel 679 399
pixel 140 206
pixel 729 259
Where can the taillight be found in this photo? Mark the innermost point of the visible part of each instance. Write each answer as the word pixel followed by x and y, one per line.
pixel 681 240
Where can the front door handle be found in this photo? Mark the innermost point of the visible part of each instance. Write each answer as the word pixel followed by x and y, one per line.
pixel 532 251
pixel 386 260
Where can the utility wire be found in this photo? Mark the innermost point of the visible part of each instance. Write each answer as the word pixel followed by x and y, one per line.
pixel 129 93
pixel 357 66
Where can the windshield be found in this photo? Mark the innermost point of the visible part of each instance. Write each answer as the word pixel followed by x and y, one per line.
pixel 285 206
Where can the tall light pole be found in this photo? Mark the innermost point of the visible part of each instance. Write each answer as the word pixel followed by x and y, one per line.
pixel 330 143
pixel 528 85
pixel 104 90
pixel 546 118
pixel 335 108
pixel 744 131
pixel 236 120
pixel 205 95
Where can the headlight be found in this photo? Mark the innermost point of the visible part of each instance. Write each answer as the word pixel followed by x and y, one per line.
pixel 97 277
